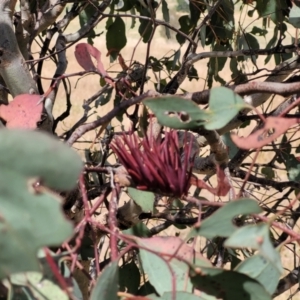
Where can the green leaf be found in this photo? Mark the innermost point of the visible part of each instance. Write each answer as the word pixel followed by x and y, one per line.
pixel 104 98
pixel 116 37
pixel 86 249
pixel 139 230
pixel 224 105
pixel 245 124
pixel 185 27
pixel 233 149
pixel 195 9
pixel 35 284
pixel 32 217
pixel 222 24
pixel 39 155
pixel 43 285
pixel 172 64
pixel 203 35
pixel 268 172
pixel 260 269
pixel 129 278
pixel 192 74
pixel 228 284
pixel 145 30
pixel 176 112
pixel 294 16
pixel 259 31
pixel 292 167
pixel 127 5
pixel 84 17
pixel 220 222
pixel 273 9
pixel 236 74
pixel 146 289
pixel 117 101
pixel 272 42
pixel 133 21
pixel 182 6
pixel 285 148
pixel 249 41
pixel 183 296
pixel 142 198
pixel 291 163
pixel 218 63
pixel 107 284
pixel 156 267
pixel 166 16
pixel 256 237
pixel 156 65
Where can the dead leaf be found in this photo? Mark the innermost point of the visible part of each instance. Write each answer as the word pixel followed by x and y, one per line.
pixel 24 111
pixel 273 128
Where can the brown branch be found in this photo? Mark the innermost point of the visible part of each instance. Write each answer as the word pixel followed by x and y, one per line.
pixel 283 89
pixel 287 282
pixel 264 181
pixel 80 131
pixel 47 16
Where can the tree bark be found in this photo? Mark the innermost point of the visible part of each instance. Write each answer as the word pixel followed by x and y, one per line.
pixel 13 68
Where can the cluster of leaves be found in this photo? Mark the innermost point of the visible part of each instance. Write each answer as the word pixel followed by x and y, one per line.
pixel 241 257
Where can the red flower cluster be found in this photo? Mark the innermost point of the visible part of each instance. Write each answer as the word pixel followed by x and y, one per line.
pixel 156 165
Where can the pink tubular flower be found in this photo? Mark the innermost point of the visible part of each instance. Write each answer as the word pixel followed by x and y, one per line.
pixel 156 165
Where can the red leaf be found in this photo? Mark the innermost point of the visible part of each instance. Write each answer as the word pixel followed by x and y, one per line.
pixel 24 111
pixel 262 137
pixel 222 188
pixel 83 53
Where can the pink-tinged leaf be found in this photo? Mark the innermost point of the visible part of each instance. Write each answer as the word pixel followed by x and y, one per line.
pixel 273 128
pixel 168 267
pixel 172 247
pixel 24 111
pixel 223 185
pixel 83 53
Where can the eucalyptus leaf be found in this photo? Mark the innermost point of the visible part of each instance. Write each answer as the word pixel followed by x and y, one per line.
pixel 176 112
pixel 129 277
pixel 31 216
pixel 156 266
pixel 35 284
pixel 224 105
pixel 229 285
pixel 220 222
pixel 107 284
pixel 144 199
pixel 183 296
pixel 294 16
pixel 116 29
pixel 260 269
pixel 256 237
